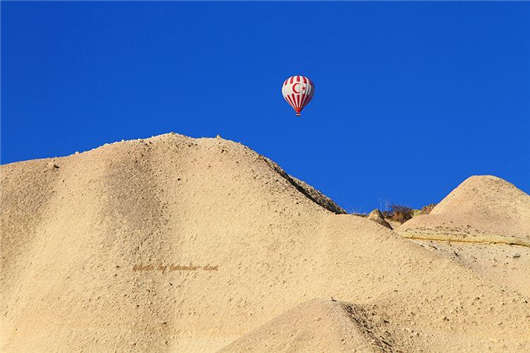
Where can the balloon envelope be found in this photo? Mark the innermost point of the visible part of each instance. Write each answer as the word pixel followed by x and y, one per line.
pixel 298 91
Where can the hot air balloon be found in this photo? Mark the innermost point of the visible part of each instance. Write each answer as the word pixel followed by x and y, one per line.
pixel 298 91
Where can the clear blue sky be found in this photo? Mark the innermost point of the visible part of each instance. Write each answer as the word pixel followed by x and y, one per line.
pixel 410 99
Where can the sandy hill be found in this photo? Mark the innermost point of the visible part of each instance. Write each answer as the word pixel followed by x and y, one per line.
pixel 324 325
pixel 506 265
pixel 484 224
pixel 481 209
pixel 174 244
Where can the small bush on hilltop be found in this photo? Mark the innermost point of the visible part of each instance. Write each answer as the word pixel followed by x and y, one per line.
pixel 427 209
pixel 399 213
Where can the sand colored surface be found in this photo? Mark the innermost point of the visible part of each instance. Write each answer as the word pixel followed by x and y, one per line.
pixel 324 325
pixel 377 217
pixel 482 209
pixel 80 232
pixel 506 265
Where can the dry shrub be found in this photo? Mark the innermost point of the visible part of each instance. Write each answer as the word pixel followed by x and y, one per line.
pixel 400 213
pixel 386 213
pixel 428 208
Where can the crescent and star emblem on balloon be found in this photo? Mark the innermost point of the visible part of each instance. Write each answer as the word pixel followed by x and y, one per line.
pixel 296 84
pixel 298 91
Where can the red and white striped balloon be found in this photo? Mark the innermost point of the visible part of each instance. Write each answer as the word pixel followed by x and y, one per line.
pixel 298 91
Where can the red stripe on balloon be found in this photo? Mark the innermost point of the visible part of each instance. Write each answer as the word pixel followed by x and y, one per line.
pixel 307 99
pixel 297 78
pixel 287 99
pixel 304 98
pixel 292 78
pixel 305 80
pixel 290 101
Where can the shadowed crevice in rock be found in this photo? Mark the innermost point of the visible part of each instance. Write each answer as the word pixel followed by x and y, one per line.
pixel 307 190
pixel 377 217
pixel 321 325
